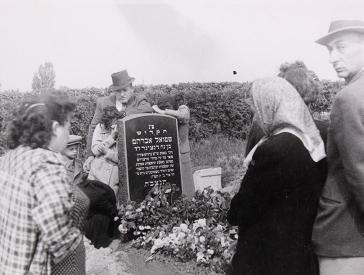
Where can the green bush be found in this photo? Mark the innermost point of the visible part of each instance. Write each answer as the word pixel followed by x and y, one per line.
pixel 216 108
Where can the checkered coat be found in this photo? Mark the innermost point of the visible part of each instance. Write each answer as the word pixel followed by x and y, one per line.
pixel 35 203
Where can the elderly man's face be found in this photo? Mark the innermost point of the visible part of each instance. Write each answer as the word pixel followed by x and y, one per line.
pixel 347 54
pixel 124 95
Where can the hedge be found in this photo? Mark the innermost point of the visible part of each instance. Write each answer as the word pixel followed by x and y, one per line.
pixel 216 108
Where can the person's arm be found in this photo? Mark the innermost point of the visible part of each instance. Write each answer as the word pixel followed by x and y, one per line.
pixel 348 133
pixel 52 214
pixel 95 120
pixel 99 145
pixel 182 114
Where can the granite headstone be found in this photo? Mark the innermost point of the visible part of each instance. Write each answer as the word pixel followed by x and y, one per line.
pixel 148 155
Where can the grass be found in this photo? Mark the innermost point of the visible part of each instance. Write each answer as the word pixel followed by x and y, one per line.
pixel 219 151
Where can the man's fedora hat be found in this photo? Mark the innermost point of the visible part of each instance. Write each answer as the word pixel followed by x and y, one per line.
pixel 120 80
pixel 341 26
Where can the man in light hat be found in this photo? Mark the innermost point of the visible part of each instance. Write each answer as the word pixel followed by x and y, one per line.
pixel 338 232
pixel 124 99
pixel 73 164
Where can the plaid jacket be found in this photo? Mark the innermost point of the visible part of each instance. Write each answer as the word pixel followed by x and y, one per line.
pixel 35 201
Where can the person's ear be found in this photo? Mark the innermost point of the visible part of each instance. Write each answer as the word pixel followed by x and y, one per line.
pixel 55 127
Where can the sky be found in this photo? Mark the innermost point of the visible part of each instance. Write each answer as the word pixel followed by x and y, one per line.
pixel 164 41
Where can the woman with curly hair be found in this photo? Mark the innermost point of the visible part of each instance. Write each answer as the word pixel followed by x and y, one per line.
pixel 36 228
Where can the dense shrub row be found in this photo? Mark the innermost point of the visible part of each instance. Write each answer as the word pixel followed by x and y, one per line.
pixel 216 108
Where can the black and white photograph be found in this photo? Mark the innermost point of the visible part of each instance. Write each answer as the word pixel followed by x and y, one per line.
pixel 181 137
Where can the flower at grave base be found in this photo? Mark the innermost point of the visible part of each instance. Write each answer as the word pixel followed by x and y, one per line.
pixel 199 223
pixel 219 227
pixel 122 229
pixel 181 235
pixel 184 227
pixel 224 242
pixel 157 244
pixel 168 191
pixel 210 251
pixel 200 257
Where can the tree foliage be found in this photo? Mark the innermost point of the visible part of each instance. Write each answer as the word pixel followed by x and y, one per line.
pixel 44 78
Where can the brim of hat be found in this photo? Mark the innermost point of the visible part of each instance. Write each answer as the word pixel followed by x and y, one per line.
pixel 115 88
pixel 330 36
pixel 74 142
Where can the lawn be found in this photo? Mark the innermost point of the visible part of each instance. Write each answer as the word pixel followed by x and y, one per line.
pixel 219 151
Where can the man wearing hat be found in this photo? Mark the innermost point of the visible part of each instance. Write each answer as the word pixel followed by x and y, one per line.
pixel 73 164
pixel 123 98
pixel 338 232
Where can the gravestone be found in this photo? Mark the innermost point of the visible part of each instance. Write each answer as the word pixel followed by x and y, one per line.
pixel 209 177
pixel 148 155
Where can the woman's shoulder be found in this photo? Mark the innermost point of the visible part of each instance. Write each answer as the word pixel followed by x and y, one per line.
pixel 42 156
pixel 281 145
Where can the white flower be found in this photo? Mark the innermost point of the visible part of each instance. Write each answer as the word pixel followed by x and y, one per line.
pixel 202 222
pixel 200 257
pixel 184 227
pixel 210 251
pixel 199 223
pixel 181 235
pixel 202 239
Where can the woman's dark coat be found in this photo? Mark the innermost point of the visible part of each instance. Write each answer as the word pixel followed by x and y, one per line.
pixel 275 209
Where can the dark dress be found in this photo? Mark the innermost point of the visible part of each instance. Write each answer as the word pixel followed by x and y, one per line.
pixel 100 227
pixel 275 209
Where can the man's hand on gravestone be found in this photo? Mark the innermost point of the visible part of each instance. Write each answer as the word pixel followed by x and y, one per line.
pixel 87 164
pixel 158 110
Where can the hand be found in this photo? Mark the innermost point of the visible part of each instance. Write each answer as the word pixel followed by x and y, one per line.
pixel 87 164
pixel 158 110
pixel 102 149
pixel 114 131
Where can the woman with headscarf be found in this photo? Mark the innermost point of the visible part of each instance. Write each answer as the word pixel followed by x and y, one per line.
pixel 277 202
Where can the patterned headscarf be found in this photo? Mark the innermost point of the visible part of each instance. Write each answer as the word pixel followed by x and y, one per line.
pixel 279 108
